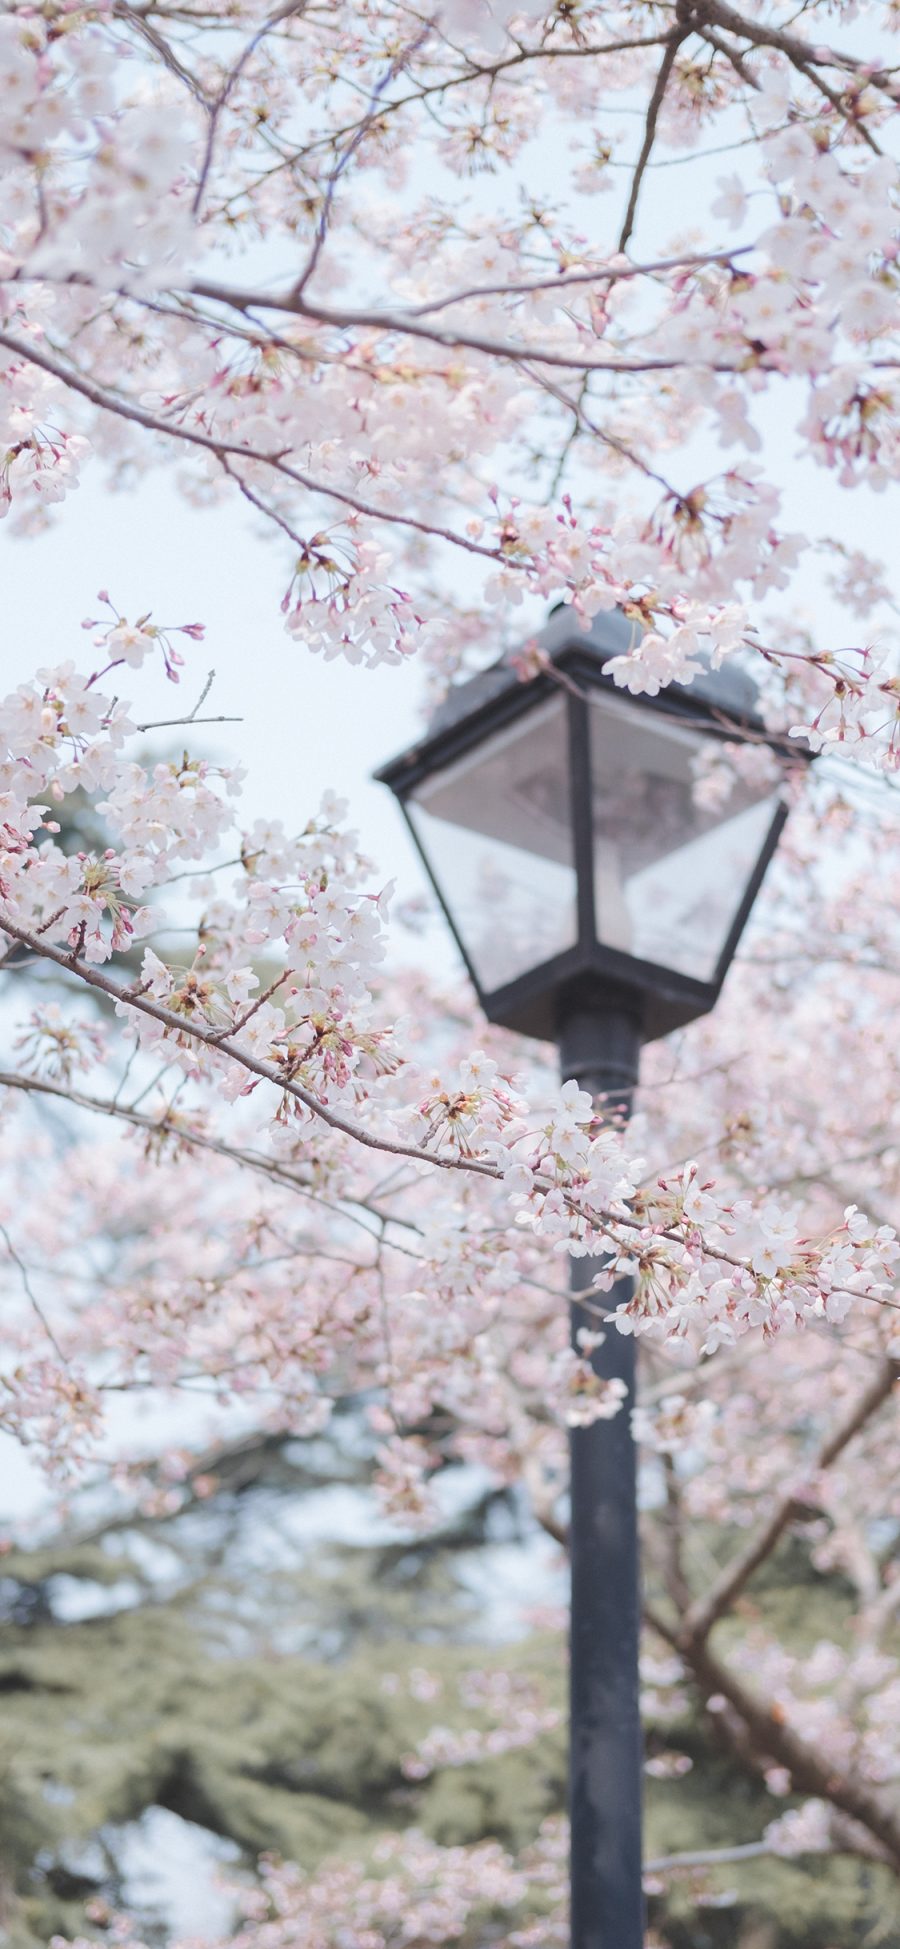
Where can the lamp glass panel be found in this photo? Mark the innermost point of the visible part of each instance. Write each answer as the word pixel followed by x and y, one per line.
pixel 669 873
pixel 495 827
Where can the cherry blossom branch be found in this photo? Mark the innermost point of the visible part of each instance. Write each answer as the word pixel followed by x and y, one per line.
pixel 644 1246
pixel 130 410
pixel 477 71
pixel 771 1736
pixel 576 280
pixel 676 1580
pixel 259 1001
pixel 135 998
pixel 700 1618
pixel 845 1835
pixel 164 49
pixel 451 338
pixel 764 34
pixel 262 507
pixel 695 16
pixel 183 1132
pixel 735 58
pixel 582 421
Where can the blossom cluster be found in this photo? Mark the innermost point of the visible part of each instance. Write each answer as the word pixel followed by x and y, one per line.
pixel 234 1245
pixel 273 1006
pixel 377 402
pixel 217 255
pixel 414 1891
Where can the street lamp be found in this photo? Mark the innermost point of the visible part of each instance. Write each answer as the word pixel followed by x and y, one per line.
pixel 597 901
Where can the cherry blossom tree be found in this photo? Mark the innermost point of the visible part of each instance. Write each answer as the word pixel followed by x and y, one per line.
pixel 303 256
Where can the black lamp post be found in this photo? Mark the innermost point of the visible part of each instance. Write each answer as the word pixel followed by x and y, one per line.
pixel 595 904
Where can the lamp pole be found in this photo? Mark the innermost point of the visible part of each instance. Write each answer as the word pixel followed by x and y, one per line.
pixel 600 1047
pixel 584 800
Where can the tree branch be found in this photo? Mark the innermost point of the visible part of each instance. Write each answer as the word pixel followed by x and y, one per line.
pixel 654 106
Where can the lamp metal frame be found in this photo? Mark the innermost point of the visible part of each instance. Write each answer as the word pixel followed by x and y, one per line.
pixel 537 1001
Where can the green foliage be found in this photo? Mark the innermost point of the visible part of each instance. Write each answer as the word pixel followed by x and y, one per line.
pixel 197 1701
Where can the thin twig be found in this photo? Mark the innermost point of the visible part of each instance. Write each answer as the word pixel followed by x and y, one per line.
pixel 653 108
pixel 346 156
pixel 169 723
pixel 31 1296
pixel 215 108
pixel 201 700
pixel 708 1857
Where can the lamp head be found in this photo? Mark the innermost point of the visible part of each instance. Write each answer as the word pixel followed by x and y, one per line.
pixel 560 823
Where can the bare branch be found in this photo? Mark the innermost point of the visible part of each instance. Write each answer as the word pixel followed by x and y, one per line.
pixel 171 723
